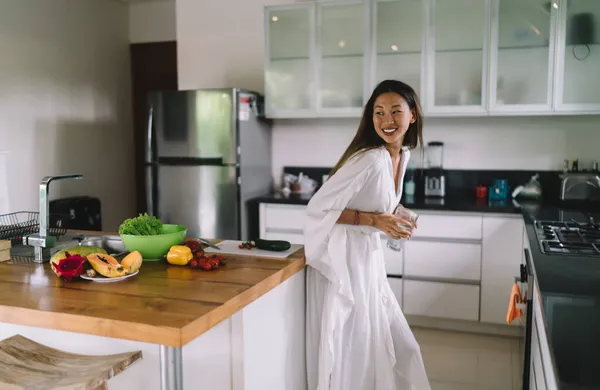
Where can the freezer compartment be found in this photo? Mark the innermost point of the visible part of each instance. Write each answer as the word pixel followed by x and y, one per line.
pixel 203 198
pixel 194 124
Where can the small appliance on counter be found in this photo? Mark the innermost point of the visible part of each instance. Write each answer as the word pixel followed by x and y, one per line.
pixel 580 186
pixel 435 185
pixel 498 191
pixel 531 190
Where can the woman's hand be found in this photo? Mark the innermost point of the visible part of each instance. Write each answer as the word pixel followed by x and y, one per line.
pixel 388 223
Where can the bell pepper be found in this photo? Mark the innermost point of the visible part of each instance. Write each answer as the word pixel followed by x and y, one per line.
pixel 179 255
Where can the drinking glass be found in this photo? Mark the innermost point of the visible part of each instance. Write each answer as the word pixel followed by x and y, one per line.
pixel 408 215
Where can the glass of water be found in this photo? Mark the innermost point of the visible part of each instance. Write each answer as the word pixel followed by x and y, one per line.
pixel 408 215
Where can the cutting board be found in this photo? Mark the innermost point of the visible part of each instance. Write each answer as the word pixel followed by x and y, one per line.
pixel 231 248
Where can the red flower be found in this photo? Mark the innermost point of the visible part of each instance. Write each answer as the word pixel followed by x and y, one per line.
pixel 70 267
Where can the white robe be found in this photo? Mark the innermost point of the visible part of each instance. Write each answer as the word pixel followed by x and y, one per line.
pixel 357 335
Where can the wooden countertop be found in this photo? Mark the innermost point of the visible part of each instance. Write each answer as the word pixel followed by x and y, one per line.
pixel 163 304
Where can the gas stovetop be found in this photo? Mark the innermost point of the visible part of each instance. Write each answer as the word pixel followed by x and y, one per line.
pixel 569 238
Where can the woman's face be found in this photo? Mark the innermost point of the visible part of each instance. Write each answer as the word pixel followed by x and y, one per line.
pixel 392 117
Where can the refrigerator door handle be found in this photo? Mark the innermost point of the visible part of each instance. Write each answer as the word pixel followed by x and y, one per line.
pixel 191 161
pixel 149 135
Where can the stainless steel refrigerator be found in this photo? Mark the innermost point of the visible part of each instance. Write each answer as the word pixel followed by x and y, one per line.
pixel 207 153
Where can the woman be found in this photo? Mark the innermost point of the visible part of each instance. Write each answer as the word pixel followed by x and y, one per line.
pixel 357 336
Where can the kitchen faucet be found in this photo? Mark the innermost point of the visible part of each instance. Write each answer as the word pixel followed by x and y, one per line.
pixel 40 240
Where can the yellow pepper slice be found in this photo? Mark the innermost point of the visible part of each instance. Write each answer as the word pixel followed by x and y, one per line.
pixel 179 255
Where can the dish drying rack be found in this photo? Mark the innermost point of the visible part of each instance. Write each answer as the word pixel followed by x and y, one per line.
pixel 15 226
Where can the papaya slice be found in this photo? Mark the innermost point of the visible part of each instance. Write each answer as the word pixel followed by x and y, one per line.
pixel 132 262
pixel 106 265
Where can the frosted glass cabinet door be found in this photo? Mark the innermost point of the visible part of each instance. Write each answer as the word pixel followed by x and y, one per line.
pixel 341 62
pixel 580 53
pixel 458 53
pixel 398 37
pixel 521 53
pixel 288 84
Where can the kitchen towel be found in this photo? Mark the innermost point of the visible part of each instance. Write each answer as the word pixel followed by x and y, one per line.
pixel 513 310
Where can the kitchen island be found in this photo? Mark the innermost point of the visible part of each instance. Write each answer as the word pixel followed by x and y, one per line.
pixel 238 327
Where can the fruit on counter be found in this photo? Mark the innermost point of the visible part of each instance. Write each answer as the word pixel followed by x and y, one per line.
pixel 142 225
pixel 110 267
pixel 179 255
pixel 207 262
pixel 106 265
pixel 194 245
pixel 70 267
pixel 246 245
pixel 82 251
pixel 132 262
pixel 268 245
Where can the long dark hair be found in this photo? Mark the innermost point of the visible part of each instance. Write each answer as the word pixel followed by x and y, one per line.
pixel 367 138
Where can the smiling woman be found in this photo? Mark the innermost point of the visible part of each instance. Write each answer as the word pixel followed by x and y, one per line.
pixel 357 336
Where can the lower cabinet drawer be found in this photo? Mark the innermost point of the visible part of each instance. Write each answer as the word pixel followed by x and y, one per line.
pixel 394 260
pixel 396 286
pixel 442 260
pixel 442 300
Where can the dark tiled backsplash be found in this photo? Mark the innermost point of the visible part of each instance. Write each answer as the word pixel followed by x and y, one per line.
pixel 462 183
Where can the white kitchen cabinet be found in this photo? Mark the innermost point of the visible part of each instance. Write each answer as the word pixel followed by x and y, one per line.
pixel 441 300
pixel 394 260
pixel 457 56
pixel 396 284
pixel 578 56
pixel 522 54
pixel 398 42
pixel 500 263
pixel 340 67
pixel 464 57
pixel 282 222
pixel 449 226
pixel 289 86
pixel 445 260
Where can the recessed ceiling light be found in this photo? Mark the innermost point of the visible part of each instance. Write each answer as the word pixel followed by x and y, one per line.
pixel 341 43
pixel 394 48
pixel 274 18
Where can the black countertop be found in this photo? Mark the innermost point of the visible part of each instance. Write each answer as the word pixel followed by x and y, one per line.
pixel 464 204
pixel 569 289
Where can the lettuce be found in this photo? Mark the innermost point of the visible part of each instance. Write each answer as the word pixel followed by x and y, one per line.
pixel 142 225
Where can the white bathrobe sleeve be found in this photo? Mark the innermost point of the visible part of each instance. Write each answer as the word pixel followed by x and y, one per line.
pixel 326 206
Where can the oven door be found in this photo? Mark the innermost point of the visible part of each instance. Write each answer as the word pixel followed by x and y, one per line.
pixel 526 279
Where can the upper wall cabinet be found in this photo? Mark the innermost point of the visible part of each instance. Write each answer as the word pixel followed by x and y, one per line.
pixel 457 43
pixel 522 56
pixel 578 56
pixel 289 82
pixel 463 57
pixel 396 51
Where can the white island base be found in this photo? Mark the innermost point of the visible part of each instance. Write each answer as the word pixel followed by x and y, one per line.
pixel 260 347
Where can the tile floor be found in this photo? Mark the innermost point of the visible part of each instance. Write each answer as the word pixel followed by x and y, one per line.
pixel 467 361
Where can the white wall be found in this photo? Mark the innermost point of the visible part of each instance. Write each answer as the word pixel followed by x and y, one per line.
pixel 221 43
pixel 470 143
pixel 152 21
pixel 65 101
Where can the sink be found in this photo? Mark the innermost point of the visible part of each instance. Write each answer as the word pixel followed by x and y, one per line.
pixel 109 242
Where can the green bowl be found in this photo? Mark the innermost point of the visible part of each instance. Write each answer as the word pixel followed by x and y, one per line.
pixel 154 248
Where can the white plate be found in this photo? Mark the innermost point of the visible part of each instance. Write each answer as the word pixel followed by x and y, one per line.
pixel 102 279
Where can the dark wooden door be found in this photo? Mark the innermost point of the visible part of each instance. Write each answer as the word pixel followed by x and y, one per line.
pixel 153 66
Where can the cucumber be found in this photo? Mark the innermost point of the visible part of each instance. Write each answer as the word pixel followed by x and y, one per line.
pixel 272 245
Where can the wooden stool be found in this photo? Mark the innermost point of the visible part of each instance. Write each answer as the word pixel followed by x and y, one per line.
pixel 25 364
